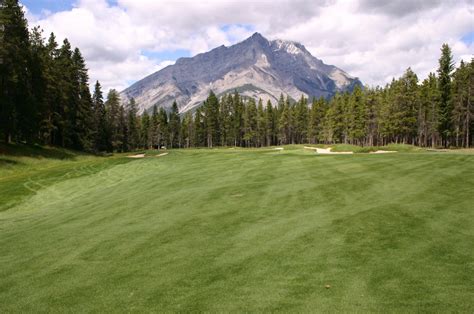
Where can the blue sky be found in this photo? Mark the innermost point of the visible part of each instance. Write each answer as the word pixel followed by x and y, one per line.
pixel 468 38
pixel 37 6
pixel 125 42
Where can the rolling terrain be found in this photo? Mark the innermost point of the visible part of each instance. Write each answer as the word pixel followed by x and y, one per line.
pixel 235 230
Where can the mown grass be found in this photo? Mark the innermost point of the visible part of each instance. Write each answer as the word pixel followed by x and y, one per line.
pixel 238 230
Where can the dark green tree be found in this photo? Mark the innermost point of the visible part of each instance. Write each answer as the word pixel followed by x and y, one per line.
pixel 100 130
pixel 446 67
pixel 174 126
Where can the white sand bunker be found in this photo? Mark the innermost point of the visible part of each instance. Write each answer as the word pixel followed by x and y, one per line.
pixel 137 156
pixel 383 152
pixel 164 154
pixel 328 151
pixel 278 148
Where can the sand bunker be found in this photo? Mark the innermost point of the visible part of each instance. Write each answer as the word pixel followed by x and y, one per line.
pixel 137 156
pixel 328 151
pixel 164 154
pixel 383 152
pixel 278 148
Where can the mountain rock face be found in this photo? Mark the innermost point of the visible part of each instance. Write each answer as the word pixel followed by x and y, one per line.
pixel 255 67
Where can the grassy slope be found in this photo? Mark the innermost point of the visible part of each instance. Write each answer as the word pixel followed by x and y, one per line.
pixel 232 230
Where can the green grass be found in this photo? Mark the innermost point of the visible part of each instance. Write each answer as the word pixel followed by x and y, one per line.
pixel 237 230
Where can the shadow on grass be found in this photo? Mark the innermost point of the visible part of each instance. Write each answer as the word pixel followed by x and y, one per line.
pixel 34 151
pixel 5 162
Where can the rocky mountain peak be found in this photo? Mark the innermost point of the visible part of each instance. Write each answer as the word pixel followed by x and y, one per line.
pixel 256 67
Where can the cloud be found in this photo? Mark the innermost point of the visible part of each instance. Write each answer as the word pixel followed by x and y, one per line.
pixel 374 40
pixel 397 7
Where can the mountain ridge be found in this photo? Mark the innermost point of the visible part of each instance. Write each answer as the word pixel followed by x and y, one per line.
pixel 271 67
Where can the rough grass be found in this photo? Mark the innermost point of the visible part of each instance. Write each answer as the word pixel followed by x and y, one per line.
pixel 238 230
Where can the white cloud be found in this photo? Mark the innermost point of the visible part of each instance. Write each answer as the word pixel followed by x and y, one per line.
pixel 366 38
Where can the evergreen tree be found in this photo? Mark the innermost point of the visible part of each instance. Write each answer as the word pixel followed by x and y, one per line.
pixel 200 132
pixel 174 126
pixel 285 124
pixel 163 127
pixel 250 123
pixel 225 120
pixel 315 122
pixel 463 109
pixel 101 132
pixel 261 127
pixel 446 67
pixel 68 100
pixel 132 122
pixel 112 108
pixel 428 112
pixel 16 112
pixel 145 130
pixel 270 125
pixel 237 119
pixel 358 117
pixel 212 120
pixel 155 128
pixel 301 121
pixel 123 129
pixel 83 124
pixel 187 130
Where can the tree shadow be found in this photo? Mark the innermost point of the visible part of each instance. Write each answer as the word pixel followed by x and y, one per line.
pixel 7 162
pixel 35 151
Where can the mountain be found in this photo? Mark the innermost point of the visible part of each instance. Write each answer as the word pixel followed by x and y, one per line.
pixel 255 67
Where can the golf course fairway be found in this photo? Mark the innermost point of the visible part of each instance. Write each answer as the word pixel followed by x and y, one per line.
pixel 238 230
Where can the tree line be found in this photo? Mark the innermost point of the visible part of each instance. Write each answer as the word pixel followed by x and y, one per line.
pixel 438 112
pixel 45 98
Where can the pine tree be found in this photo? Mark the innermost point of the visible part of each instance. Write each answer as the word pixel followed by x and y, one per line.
pixel 270 125
pixel 315 122
pixel 164 129
pixel 428 112
pixel 16 103
pixel 463 109
pixel 285 124
pixel 145 130
pixel 358 117
pixel 123 129
pixel 112 108
pixel 225 120
pixel 212 120
pixel 68 100
pixel 301 120
pixel 101 132
pixel 200 132
pixel 187 130
pixel 260 136
pixel 49 113
pixel 174 125
pixel 237 119
pixel 250 123
pixel 132 122
pixel 82 128
pixel 446 67
pixel 155 128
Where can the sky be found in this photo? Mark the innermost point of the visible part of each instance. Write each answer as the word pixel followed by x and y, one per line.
pixel 125 40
